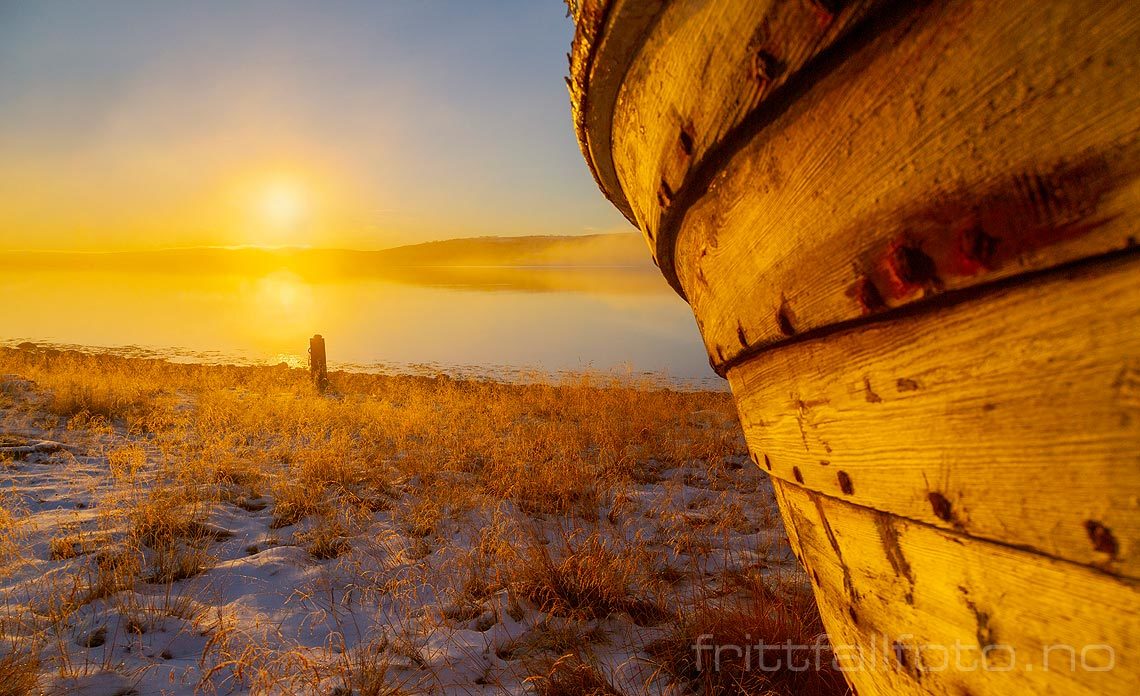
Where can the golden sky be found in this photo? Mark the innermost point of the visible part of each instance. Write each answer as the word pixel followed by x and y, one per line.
pixel 130 125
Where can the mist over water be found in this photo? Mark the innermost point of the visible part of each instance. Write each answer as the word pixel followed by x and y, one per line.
pixel 505 323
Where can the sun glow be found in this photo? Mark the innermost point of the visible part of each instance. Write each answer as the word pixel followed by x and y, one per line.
pixel 283 206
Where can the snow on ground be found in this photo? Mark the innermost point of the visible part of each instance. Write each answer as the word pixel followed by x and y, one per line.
pixel 270 617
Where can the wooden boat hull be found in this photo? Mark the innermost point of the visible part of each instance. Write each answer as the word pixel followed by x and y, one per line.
pixel 908 234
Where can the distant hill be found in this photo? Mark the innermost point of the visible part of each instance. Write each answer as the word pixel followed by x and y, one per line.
pixel 625 250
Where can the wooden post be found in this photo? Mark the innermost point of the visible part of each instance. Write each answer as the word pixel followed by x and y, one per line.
pixel 318 369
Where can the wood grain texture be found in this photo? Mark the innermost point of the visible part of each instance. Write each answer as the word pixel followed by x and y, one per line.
pixel 912 609
pixel 1014 418
pixel 608 34
pixel 968 142
pixel 703 68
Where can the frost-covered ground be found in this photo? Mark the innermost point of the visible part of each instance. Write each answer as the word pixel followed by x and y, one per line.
pixel 114 581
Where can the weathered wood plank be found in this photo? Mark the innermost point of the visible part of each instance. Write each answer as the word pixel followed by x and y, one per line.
pixel 970 142
pixel 1015 417
pixel 912 609
pixel 608 34
pixel 699 73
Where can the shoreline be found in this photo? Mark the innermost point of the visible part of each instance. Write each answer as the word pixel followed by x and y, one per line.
pixel 503 374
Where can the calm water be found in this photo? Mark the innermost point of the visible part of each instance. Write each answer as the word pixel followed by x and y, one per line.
pixel 505 323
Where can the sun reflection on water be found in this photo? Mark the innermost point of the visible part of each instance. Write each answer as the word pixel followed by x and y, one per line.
pixel 281 305
pixel 289 359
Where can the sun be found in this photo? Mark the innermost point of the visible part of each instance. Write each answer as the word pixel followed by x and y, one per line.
pixel 279 206
pixel 283 206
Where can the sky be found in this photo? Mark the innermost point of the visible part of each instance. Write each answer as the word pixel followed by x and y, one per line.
pixel 155 124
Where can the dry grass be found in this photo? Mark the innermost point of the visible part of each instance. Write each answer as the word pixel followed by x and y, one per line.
pixel 509 490
pixel 747 636
pixel 19 673
pixel 9 533
pixel 329 537
pixel 166 525
pixel 588 577
pixel 548 448
pixel 571 675
pixel 368 672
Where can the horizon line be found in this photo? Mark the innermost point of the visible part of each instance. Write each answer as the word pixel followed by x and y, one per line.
pixel 306 247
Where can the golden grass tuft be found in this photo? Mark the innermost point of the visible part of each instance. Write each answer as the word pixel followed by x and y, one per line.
pixel 89 397
pixel 294 500
pixel 19 672
pixel 368 672
pixel 169 524
pixel 9 534
pixel 126 462
pixel 774 614
pixel 587 576
pixel 328 538
pixel 571 675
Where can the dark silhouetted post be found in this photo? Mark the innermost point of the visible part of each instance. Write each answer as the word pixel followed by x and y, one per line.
pixel 318 369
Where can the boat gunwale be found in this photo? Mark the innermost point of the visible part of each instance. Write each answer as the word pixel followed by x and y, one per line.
pixel 590 37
